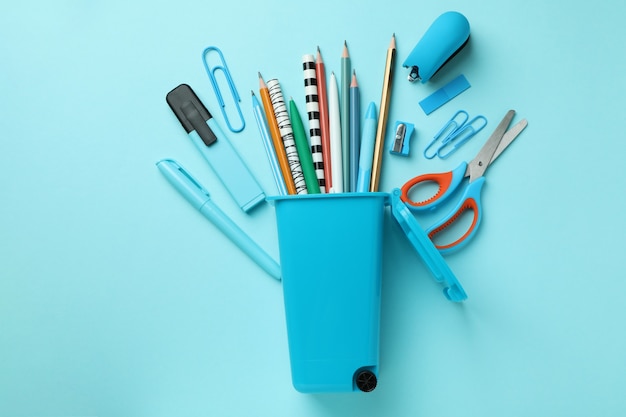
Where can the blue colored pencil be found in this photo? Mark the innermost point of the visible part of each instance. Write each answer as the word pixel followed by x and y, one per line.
pixel 367 149
pixel 334 123
pixel 355 131
pixel 261 122
pixel 345 116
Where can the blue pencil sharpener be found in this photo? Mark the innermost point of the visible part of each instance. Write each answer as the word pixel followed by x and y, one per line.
pixel 331 248
pixel 445 37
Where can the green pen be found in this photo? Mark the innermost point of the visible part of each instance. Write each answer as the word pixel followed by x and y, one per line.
pixel 304 152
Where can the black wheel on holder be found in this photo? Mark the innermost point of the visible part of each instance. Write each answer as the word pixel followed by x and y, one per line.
pixel 366 381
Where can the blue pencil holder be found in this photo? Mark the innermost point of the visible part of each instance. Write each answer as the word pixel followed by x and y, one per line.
pixel 330 253
pixel 331 260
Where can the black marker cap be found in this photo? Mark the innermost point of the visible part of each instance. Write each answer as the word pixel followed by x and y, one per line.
pixel 191 112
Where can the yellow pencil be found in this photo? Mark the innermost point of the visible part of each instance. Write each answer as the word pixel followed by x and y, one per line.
pixel 382 116
pixel 277 140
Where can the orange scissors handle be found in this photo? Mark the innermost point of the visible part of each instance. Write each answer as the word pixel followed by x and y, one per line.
pixel 446 182
pixel 470 200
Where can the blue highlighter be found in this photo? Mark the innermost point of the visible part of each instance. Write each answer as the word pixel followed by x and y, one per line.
pixel 213 144
pixel 445 37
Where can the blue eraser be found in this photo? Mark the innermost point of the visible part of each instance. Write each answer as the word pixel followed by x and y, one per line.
pixel 444 94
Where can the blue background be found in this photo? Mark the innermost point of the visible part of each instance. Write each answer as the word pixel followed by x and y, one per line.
pixel 117 299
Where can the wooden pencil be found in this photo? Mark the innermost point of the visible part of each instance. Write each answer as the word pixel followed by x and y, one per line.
pixel 382 115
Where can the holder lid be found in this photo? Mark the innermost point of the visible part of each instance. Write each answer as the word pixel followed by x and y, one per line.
pixel 426 249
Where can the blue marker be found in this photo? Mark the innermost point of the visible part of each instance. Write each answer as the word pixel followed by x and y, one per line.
pixel 215 147
pixel 367 149
pixel 193 192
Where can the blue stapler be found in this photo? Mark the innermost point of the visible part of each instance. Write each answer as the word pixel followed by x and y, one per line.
pixel 447 35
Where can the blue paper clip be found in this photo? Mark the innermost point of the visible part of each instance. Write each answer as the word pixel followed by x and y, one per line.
pixel 447 131
pixel 462 135
pixel 455 133
pixel 211 73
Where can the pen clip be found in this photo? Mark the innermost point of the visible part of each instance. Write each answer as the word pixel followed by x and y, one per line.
pixel 184 182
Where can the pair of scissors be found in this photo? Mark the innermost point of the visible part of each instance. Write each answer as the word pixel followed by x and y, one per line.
pixel 448 182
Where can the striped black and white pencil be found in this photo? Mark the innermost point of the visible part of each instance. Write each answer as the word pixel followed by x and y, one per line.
pixel 313 112
pixel 286 132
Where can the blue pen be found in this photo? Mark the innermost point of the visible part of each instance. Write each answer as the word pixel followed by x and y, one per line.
pixel 367 149
pixel 193 192
pixel 269 146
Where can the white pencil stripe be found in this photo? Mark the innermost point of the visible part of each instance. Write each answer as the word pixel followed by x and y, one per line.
pixel 286 132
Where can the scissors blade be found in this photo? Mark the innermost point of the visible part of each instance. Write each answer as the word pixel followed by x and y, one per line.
pixel 508 138
pixel 479 164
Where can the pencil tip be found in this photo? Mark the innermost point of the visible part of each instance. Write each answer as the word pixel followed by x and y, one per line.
pixel 318 58
pixel 260 74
